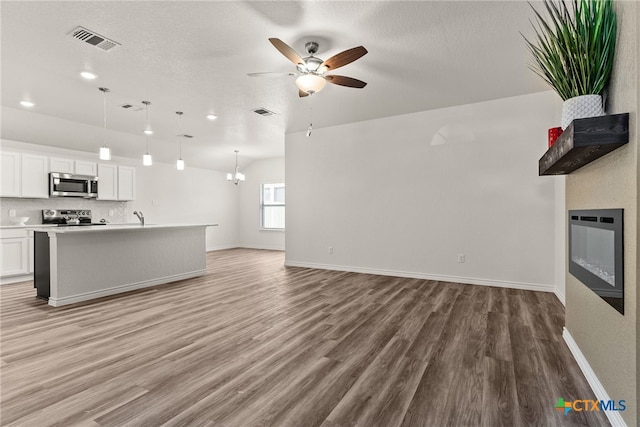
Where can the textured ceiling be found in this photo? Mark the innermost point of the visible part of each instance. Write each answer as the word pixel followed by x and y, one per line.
pixel 194 57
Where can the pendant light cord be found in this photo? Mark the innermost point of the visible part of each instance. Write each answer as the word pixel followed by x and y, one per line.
pixel 179 113
pixel 104 98
pixel 104 91
pixel 146 110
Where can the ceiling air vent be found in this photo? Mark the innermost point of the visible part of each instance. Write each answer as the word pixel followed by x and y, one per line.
pixel 263 111
pixel 132 107
pixel 93 38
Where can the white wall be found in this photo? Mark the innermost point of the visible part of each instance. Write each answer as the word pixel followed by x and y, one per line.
pixel 257 173
pixel 164 194
pixel 405 195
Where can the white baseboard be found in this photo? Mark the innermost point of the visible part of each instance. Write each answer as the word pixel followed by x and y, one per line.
pixel 426 276
pixel 560 296
pixel 268 248
pixel 614 417
pixel 57 302
pixel 221 248
pixel 16 279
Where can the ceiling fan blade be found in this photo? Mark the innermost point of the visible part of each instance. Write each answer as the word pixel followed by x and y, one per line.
pixel 344 58
pixel 345 81
pixel 287 51
pixel 270 74
pixel 302 94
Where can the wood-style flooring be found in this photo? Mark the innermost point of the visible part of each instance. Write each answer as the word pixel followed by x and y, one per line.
pixel 254 343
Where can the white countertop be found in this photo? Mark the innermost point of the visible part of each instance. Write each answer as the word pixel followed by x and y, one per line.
pixel 13 226
pixel 133 226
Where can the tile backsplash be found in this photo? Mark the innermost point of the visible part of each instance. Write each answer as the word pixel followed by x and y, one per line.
pixel 33 208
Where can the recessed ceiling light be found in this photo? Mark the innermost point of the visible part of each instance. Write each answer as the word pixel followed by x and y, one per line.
pixel 211 116
pixel 88 75
pixel 27 104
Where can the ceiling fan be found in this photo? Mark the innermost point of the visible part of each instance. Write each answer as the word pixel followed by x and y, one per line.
pixel 312 71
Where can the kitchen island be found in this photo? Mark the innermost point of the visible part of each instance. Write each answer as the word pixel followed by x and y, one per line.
pixel 74 264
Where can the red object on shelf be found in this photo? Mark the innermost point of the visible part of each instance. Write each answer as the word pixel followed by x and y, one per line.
pixel 554 134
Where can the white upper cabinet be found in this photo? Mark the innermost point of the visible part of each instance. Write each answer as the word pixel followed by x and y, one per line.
pixel 84 167
pixel 79 167
pixel 107 181
pixel 35 176
pixel 126 183
pixel 27 175
pixel 58 164
pixel 11 170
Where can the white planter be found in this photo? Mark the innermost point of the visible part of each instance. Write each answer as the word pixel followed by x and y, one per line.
pixel 580 107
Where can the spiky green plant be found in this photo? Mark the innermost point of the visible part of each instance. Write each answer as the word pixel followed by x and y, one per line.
pixel 573 51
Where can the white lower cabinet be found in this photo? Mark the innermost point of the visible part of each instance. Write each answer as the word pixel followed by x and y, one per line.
pixel 15 252
pixel 30 248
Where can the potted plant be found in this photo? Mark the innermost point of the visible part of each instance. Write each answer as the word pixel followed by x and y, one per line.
pixel 573 52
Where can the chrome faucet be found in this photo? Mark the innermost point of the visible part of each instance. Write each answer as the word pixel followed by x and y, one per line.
pixel 140 216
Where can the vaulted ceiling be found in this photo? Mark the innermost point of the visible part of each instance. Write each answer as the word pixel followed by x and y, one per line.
pixel 194 57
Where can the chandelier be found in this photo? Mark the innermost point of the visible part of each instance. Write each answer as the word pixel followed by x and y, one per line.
pixel 236 177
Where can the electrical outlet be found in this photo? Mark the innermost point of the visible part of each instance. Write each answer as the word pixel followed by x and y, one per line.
pixel 155 202
pixel 460 258
pixel 12 212
pixel 330 250
pixel 110 212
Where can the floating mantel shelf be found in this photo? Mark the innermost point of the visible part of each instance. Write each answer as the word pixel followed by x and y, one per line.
pixel 584 141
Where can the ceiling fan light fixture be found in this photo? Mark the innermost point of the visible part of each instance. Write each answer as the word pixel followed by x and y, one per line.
pixel 313 64
pixel 310 83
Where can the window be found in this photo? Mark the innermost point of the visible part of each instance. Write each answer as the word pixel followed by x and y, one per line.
pixel 272 206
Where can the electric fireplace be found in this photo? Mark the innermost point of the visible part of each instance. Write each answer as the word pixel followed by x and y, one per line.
pixel 596 253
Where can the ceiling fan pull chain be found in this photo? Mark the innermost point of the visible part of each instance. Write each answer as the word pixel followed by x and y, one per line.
pixel 310 128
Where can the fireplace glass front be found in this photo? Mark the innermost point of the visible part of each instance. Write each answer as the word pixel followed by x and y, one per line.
pixel 595 252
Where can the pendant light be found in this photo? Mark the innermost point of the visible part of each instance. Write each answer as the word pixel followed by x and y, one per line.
pixel 180 162
pixel 105 152
pixel 146 158
pixel 236 177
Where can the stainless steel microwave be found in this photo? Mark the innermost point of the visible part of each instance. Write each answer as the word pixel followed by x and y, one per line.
pixel 70 185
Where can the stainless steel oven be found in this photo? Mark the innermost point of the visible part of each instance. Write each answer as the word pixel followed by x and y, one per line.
pixel 70 185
